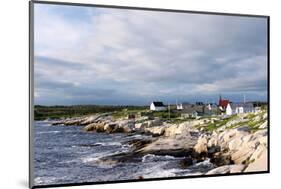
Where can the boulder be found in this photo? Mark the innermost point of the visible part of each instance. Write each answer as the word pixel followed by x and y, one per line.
pixel 261 149
pixel 74 121
pixel 258 161
pixel 235 144
pixel 99 127
pixel 213 149
pixel 202 145
pixel 160 130
pixel 263 125
pixel 242 155
pixel 264 116
pixel 227 169
pixel 263 140
pixel 110 127
pixel 187 161
pixel 155 122
pixel 89 120
pixel 247 138
pixel 176 130
pixel 213 140
pixel 141 126
pixel 220 159
pixel 170 146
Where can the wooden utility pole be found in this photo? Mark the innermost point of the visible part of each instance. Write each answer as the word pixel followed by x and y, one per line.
pixel 169 111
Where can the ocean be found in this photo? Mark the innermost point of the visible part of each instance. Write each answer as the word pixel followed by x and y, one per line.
pixel 67 154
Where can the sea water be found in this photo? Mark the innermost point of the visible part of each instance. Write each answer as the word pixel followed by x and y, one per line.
pixel 67 154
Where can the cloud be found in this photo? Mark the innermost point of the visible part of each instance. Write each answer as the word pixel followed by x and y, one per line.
pixel 141 56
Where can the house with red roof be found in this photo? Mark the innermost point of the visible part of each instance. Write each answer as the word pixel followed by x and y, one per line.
pixel 223 104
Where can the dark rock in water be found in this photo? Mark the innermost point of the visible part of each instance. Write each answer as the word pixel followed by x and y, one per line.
pixel 139 143
pixel 170 152
pixel 122 157
pixel 157 134
pixel 118 130
pixel 220 159
pixel 58 123
pixel 186 162
pixel 199 156
pixel 213 149
pixel 106 162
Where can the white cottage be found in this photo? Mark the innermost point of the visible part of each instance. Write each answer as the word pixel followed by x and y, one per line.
pixel 179 107
pixel 239 108
pixel 157 106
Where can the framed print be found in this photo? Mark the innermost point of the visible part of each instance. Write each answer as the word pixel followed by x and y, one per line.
pixel 126 94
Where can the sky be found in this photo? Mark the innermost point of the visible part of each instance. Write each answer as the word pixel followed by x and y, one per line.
pixel 105 56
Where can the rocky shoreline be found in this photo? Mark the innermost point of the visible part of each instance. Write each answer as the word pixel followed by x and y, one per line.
pixel 233 144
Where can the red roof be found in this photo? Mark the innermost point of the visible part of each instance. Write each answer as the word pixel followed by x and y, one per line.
pixel 223 103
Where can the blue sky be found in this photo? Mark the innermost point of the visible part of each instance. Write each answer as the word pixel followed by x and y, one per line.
pixel 86 55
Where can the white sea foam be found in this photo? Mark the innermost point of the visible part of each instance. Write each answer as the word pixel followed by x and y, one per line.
pixel 152 157
pixel 108 144
pixel 202 166
pixel 48 132
pixel 96 156
pixel 158 171
pixel 44 180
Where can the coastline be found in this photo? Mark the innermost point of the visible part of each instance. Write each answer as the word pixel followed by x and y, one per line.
pixel 234 144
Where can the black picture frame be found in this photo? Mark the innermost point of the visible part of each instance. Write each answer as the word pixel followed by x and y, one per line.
pixel 31 89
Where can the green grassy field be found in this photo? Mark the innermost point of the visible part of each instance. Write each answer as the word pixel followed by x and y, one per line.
pixel 55 112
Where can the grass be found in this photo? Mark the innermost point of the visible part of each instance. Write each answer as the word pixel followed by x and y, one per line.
pixel 119 114
pixel 166 114
pixel 179 120
pixel 54 112
pixel 251 123
pixel 216 124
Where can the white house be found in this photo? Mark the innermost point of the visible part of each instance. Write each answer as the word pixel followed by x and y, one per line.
pixel 228 110
pixel 179 107
pixel 212 106
pixel 239 108
pixel 157 106
pixel 184 105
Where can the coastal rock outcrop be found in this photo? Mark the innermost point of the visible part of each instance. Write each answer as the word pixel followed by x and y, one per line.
pixel 98 127
pixel 202 145
pixel 259 161
pixel 232 144
pixel 227 169
pixel 124 126
pixel 244 147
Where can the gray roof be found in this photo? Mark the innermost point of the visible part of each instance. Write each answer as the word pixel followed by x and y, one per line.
pixel 158 104
pixel 244 105
pixel 197 108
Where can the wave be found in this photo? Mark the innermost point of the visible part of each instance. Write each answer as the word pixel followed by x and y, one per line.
pixel 159 170
pixel 97 156
pixel 108 144
pixel 48 132
pixel 202 167
pixel 137 136
pixel 44 180
pixel 99 144
pixel 153 158
pixel 43 123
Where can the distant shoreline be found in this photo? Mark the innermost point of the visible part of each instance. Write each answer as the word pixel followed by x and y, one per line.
pixel 43 112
